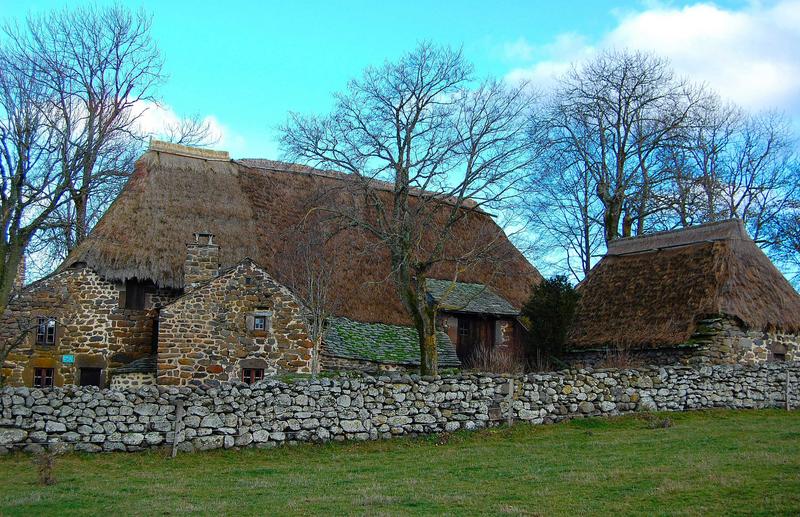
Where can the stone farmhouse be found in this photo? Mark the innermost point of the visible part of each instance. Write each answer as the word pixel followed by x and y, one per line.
pixel 181 283
pixel 705 294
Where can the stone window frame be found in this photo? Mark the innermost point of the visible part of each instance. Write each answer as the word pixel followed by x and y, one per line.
pixel 46 331
pixel 263 315
pixel 44 377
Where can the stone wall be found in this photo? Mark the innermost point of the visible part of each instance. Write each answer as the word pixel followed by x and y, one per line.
pixel 91 326
pixel 730 339
pixel 129 380
pixel 365 407
pixel 207 336
pixel 716 341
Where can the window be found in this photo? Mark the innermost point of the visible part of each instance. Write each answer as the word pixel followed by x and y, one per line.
pixel 777 356
pixel 43 377
pixel 463 327
pixel 252 375
pixel 134 294
pixel 260 322
pixel 46 331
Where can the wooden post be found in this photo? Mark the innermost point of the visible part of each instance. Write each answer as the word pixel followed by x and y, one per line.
pixel 510 415
pixel 179 413
pixel 788 405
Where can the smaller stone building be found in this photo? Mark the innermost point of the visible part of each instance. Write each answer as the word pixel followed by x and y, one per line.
pixel 703 294
pixel 238 326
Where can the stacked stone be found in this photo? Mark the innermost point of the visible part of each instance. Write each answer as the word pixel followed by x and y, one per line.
pixel 365 407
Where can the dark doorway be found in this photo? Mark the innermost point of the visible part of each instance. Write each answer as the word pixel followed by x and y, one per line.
pixel 474 333
pixel 91 377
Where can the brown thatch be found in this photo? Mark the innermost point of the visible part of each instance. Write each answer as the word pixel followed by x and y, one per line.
pixel 253 209
pixel 652 291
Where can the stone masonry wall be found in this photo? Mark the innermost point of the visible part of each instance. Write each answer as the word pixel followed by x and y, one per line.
pixel 91 326
pixel 718 340
pixel 753 346
pixel 360 408
pixel 207 335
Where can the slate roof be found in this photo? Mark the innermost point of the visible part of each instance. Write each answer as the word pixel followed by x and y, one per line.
pixel 147 364
pixel 471 298
pixel 382 343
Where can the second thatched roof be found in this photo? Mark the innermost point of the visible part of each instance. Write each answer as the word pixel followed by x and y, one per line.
pixel 652 291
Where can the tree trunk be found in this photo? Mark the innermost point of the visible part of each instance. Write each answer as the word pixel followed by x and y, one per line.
pixel 11 259
pixel 429 357
pixel 611 217
pixel 81 208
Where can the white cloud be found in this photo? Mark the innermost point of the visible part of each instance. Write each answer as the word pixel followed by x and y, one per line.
pixel 750 55
pixel 155 118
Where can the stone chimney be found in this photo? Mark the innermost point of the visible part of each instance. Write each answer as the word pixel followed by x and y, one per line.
pixel 202 260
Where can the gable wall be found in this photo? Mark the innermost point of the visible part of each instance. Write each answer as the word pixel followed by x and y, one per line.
pixel 91 326
pixel 204 336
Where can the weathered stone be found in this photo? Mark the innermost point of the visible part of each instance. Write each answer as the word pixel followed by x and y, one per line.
pixel 12 436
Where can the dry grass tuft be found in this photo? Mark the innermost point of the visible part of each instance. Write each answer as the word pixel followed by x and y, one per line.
pixel 497 360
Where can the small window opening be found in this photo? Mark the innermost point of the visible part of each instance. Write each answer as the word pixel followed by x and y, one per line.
pixel 134 294
pixel 252 375
pixel 780 357
pixel 43 377
pixel 248 280
pixel 46 331
pixel 260 323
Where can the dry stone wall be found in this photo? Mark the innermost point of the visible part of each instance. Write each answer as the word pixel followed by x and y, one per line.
pixel 365 407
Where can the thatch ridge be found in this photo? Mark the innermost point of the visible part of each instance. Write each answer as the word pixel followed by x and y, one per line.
pixel 656 297
pixel 253 212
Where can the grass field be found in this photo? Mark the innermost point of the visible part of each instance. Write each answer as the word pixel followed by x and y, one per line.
pixel 706 463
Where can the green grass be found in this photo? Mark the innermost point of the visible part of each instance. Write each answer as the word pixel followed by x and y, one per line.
pixel 707 463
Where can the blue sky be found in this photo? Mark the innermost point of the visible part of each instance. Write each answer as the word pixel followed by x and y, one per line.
pixel 244 65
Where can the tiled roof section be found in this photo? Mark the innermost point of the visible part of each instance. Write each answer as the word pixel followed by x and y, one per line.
pixel 147 364
pixel 471 298
pixel 382 343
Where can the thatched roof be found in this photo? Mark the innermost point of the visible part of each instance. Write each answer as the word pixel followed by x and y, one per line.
pixel 252 208
pixel 651 291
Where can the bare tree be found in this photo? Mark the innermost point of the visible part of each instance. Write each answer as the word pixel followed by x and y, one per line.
pixel 33 184
pixel 612 114
pixel 307 267
pixel 423 152
pixel 192 131
pixel 561 205
pixel 97 65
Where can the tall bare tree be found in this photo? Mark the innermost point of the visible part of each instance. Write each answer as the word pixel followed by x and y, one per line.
pixel 33 185
pixel 97 65
pixel 612 114
pixel 423 151
pixel 307 267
